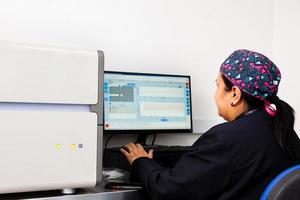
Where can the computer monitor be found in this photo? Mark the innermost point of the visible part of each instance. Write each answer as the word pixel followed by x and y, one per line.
pixel 147 103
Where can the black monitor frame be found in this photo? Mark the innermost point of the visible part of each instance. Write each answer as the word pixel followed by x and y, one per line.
pixel 147 131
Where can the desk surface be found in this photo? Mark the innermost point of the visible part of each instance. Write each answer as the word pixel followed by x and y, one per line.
pixel 99 192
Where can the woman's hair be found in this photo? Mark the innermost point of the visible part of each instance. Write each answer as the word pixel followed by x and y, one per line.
pixel 283 121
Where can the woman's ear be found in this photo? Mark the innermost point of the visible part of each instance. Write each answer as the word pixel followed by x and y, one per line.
pixel 236 95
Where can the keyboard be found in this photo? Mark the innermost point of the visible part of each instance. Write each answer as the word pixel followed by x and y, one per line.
pixel 173 148
pixel 166 156
pixel 161 148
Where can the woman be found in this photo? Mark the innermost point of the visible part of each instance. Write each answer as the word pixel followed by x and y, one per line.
pixel 236 159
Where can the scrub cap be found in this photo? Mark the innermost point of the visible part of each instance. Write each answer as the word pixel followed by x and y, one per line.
pixel 253 73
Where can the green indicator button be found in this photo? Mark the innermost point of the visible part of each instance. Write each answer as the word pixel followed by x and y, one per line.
pixel 58 146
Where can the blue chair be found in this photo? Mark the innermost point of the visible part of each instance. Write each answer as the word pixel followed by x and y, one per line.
pixel 286 186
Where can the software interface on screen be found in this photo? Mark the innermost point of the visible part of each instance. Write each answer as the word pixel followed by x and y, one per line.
pixel 146 102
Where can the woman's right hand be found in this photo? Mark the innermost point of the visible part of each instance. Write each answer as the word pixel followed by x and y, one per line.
pixel 133 151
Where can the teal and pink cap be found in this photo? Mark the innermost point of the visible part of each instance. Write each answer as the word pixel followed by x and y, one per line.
pixel 253 73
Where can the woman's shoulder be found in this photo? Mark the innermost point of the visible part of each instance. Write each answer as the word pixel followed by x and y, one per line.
pixel 251 124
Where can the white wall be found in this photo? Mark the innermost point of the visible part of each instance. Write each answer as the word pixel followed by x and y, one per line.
pixel 166 36
pixel 286 51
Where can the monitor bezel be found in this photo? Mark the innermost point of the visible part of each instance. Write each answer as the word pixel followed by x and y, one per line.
pixel 149 131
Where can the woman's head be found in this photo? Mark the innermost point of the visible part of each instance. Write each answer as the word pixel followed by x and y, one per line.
pixel 228 97
pixel 250 80
pixel 231 101
pixel 256 76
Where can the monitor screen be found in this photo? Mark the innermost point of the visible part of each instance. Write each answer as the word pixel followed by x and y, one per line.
pixel 153 103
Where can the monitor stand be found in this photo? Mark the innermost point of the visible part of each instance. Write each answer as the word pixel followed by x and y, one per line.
pixel 142 138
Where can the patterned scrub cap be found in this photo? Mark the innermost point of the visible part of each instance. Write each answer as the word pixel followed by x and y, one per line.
pixel 253 73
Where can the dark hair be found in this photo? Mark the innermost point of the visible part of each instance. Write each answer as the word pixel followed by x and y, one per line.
pixel 283 122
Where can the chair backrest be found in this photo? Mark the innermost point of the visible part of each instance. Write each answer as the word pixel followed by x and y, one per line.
pixel 286 186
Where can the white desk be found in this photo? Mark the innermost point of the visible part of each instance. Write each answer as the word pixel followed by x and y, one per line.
pixel 98 192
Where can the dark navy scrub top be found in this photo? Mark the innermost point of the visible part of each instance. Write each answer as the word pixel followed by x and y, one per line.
pixel 233 160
